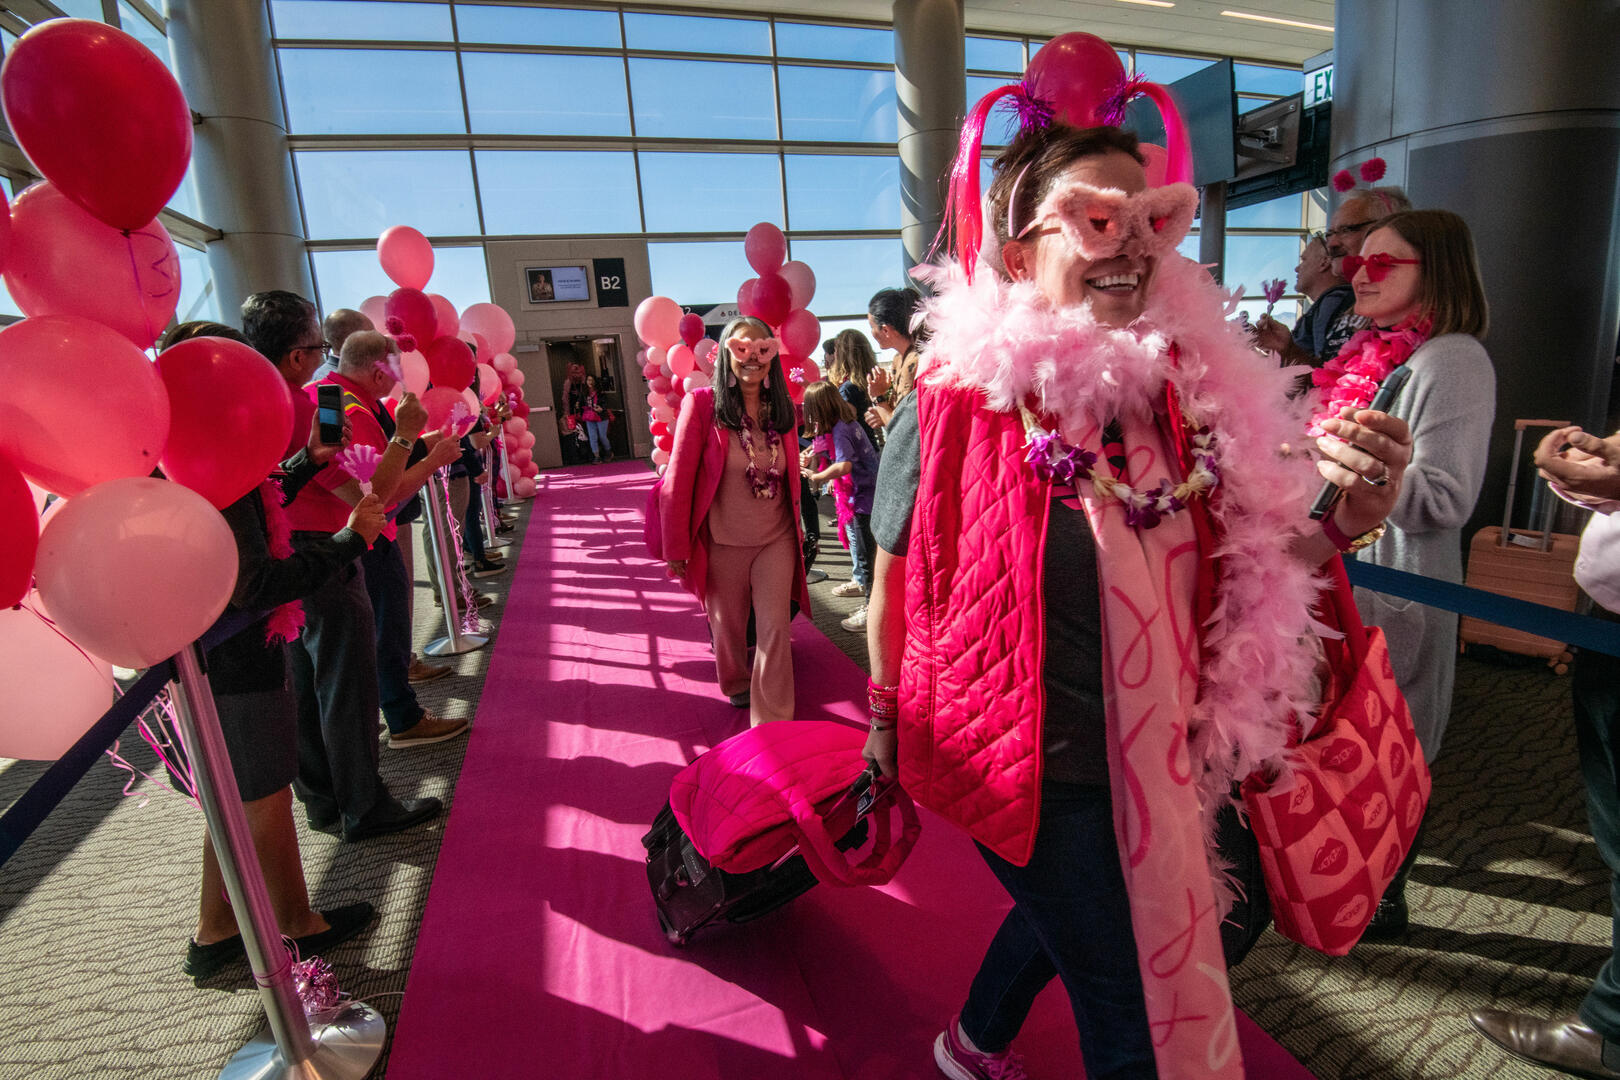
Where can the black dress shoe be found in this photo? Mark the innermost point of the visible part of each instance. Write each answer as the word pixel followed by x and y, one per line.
pixel 330 826
pixel 396 815
pixel 1568 1046
pixel 203 961
pixel 1389 921
pixel 342 924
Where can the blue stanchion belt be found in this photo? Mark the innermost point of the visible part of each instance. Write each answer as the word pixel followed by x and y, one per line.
pixel 35 804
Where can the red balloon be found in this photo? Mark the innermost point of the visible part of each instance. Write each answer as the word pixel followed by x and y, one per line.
pixel 231 417
pixel 800 333
pixel 415 313
pixel 658 427
pixel 406 256
pixel 520 409
pixel 113 421
pixel 101 117
pixel 64 261
pixel 691 328
pixel 450 362
pixel 439 401
pixel 801 371
pixel 765 247
pixel 659 384
pixel 19 540
pixel 773 299
pixel 5 229
pixel 1076 73
pixel 746 301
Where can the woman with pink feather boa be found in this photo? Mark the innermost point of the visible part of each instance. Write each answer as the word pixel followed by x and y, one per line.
pixel 1091 613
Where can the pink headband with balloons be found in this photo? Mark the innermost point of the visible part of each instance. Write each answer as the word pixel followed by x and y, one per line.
pixel 1076 79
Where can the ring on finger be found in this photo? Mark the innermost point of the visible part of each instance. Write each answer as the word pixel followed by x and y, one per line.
pixel 1382 478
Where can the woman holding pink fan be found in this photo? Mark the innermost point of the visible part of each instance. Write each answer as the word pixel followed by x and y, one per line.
pixel 729 514
pixel 1094 578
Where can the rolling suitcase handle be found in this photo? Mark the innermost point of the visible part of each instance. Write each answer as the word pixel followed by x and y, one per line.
pixel 818 832
pixel 1513 484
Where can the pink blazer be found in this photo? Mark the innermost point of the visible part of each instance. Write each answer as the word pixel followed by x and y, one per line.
pixel 697 461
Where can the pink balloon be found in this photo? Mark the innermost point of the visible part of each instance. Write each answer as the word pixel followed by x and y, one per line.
pixel 414 314
pixel 5 229
pixel 54 692
pixel 801 372
pixel 231 417
pixel 800 333
pixel 113 422
pixel 531 469
pixel 658 321
pixel 494 323
pixel 489 382
pixel 693 381
pixel 449 322
pixel 1076 73
pixel 801 282
pixel 681 361
pixel 481 343
pixel 439 401
pixel 704 352
pixel 659 385
pixel 515 377
pixel 773 299
pixel 660 456
pixel 746 304
pixel 504 363
pixel 63 261
pixel 517 426
pixel 450 362
pixel 406 256
pixel 372 308
pixel 526 440
pixel 136 569
pixel 100 116
pixel 417 376
pixel 521 457
pixel 765 247
pixel 523 487
pixel 691 328
pixel 19 540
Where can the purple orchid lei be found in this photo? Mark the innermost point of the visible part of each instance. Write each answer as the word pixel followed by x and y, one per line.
pixel 767 487
pixel 1054 459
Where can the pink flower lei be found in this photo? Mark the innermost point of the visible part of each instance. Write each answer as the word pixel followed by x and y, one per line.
pixel 1351 379
pixel 767 486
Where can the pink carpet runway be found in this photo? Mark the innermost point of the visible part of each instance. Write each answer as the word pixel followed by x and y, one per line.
pixel 539 954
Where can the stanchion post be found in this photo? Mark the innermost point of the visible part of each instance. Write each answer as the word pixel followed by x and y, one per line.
pixel 506 470
pixel 346 1044
pixel 487 492
pixel 455 641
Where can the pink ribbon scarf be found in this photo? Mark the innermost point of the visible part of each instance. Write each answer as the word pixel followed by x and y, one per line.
pixel 1150 679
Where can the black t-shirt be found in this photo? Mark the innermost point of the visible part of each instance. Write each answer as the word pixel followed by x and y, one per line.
pixel 1074 728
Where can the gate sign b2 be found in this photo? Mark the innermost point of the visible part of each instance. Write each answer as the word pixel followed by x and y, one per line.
pixel 611 288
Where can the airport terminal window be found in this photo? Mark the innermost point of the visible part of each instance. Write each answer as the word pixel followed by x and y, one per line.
pixel 359 193
pixel 813 41
pixel 692 34
pixel 839 105
pixel 1253 259
pixel 1259 79
pixel 534 94
pixel 994 54
pixel 848 272
pixel 1283 213
pixel 490 25
pixel 702 99
pixel 683 192
pixel 360 20
pixel 843 191
pixel 348 277
pixel 1167 69
pixel 371 91
pixel 700 272
pixel 197 297
pixel 554 192
pixel 1002 123
pixel 137 26
pixel 81 9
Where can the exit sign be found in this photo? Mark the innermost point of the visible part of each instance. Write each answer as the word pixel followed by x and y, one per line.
pixel 1318 86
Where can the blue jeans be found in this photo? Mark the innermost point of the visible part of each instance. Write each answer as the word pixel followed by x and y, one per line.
pixel 1071 919
pixel 596 431
pixel 862 545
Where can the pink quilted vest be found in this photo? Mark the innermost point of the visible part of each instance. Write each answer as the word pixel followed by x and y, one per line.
pixel 971 698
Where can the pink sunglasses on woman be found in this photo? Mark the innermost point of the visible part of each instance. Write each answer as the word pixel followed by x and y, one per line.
pixel 1378 266
pixel 745 349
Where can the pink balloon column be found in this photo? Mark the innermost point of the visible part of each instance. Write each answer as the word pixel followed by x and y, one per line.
pixel 135 569
pixel 231 417
pixel 63 261
pixel 54 691
pixel 81 404
pixel 101 117
pixel 406 257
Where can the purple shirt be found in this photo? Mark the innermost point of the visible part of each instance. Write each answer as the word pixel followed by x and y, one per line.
pixel 851 444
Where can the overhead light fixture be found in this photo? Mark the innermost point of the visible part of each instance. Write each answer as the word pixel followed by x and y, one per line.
pixel 1149 3
pixel 1279 22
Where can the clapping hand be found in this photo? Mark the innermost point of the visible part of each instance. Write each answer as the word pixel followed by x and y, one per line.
pixel 409 417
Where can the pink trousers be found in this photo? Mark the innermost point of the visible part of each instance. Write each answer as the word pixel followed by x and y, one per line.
pixel 757 579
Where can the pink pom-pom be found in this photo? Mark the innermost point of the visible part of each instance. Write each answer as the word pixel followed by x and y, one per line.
pixel 394 325
pixel 316 984
pixel 1373 169
pixel 1343 181
pixel 407 342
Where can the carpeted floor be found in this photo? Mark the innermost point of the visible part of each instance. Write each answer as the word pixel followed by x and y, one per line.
pixel 1511 903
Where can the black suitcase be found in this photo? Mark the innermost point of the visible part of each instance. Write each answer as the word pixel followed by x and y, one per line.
pixel 690 894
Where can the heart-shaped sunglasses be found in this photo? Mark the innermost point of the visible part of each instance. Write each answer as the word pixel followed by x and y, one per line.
pixel 745 349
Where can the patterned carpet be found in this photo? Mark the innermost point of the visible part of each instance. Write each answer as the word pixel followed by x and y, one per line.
pixel 1510 903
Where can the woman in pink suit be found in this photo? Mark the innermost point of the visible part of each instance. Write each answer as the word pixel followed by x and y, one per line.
pixel 729 510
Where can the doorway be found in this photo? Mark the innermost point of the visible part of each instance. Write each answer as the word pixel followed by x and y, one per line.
pixel 600 359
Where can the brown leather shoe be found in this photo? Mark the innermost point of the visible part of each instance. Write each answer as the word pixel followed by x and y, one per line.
pixel 421 671
pixel 426 731
pixel 1568 1046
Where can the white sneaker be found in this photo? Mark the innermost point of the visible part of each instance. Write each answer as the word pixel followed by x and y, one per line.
pixel 849 588
pixel 856 623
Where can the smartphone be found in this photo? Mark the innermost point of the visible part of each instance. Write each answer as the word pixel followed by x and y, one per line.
pixel 329 413
pixel 1388 391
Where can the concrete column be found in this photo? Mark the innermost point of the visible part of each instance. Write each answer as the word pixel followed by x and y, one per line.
pixel 244 171
pixel 1506 112
pixel 930 74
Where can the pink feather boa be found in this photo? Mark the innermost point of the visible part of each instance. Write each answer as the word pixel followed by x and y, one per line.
pixel 1259 667
pixel 287 621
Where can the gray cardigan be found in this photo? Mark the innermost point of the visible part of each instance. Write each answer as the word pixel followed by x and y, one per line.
pixel 1450 403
